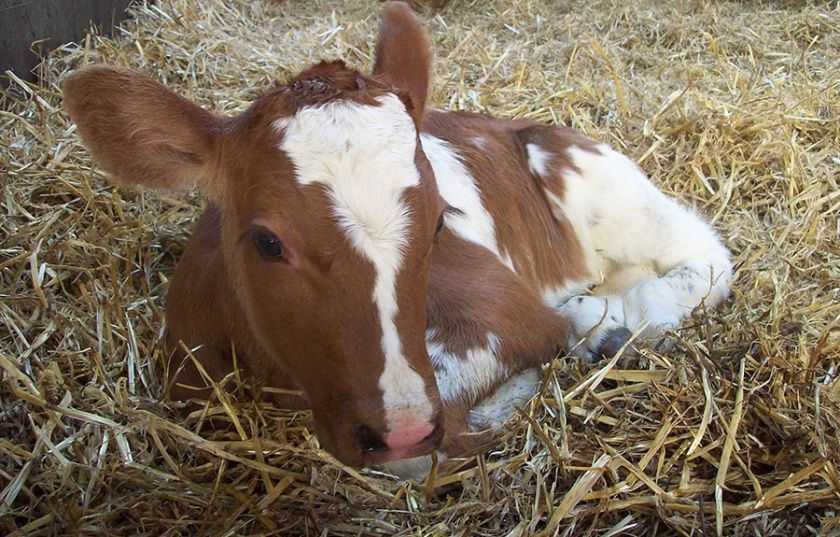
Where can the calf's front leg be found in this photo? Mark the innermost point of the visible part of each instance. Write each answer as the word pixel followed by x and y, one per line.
pixel 659 260
pixel 602 324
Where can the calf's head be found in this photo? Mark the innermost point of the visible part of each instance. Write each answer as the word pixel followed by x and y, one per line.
pixel 329 211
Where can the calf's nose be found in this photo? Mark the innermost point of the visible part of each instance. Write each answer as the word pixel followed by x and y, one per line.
pixel 408 433
pixel 403 438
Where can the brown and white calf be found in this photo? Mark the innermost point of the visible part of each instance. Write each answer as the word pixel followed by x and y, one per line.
pixel 395 263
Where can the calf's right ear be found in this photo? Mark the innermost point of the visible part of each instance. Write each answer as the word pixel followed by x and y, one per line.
pixel 141 132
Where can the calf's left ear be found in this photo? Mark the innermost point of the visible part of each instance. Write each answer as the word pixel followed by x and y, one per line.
pixel 403 55
pixel 140 131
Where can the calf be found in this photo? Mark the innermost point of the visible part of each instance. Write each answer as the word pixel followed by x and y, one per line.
pixel 396 264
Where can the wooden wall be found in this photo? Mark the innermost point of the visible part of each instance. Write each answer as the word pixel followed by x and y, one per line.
pixel 51 23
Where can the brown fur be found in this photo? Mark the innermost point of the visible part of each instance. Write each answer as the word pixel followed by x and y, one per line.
pixel 115 108
pixel 402 50
pixel 544 250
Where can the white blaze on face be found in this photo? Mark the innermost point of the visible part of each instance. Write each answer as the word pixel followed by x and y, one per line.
pixel 364 155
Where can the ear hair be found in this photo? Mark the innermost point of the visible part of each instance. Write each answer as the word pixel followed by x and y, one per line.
pixel 403 55
pixel 140 131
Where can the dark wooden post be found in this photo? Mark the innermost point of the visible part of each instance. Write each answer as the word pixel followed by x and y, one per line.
pixel 50 23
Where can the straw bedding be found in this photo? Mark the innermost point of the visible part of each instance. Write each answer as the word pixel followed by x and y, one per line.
pixel 733 429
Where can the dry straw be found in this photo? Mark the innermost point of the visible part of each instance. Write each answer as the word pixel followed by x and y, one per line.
pixel 733 429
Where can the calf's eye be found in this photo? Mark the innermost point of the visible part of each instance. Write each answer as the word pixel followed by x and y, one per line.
pixel 268 245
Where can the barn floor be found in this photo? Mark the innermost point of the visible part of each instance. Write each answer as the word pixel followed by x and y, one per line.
pixel 733 107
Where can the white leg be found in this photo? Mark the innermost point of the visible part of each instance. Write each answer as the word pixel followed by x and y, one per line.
pixel 631 231
pixel 416 468
pixel 592 320
pixel 500 406
pixel 664 302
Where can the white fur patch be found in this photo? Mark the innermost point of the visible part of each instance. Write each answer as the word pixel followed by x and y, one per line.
pixel 474 222
pixel 538 160
pixel 508 262
pixel 365 156
pixel 479 142
pixel 626 219
pixel 500 406
pixel 467 375
pixel 659 260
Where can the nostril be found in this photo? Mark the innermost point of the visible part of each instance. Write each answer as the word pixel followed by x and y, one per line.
pixel 370 440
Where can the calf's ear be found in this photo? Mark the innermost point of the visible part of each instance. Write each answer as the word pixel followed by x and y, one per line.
pixel 140 131
pixel 403 55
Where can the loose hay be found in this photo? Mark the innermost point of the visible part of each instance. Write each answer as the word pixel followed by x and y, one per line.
pixel 732 107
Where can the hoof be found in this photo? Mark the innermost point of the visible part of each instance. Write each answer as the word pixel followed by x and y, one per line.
pixel 612 342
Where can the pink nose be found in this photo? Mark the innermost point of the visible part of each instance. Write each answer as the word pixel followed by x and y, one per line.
pixel 408 434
